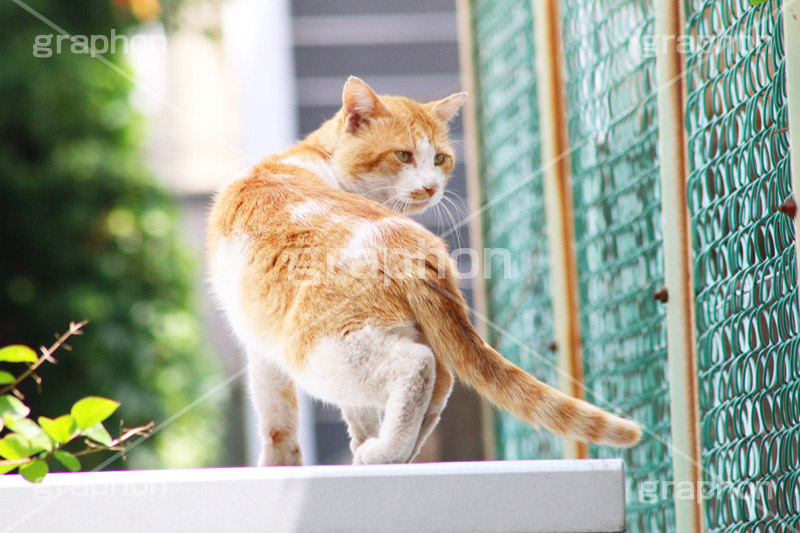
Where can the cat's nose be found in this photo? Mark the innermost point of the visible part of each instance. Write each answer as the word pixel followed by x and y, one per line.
pixel 423 194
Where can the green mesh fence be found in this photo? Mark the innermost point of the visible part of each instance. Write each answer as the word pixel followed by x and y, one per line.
pixel 613 131
pixel 745 272
pixel 518 295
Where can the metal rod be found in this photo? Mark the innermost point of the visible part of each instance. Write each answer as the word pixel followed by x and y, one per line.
pixel 681 352
pixel 474 195
pixel 791 36
pixel 558 204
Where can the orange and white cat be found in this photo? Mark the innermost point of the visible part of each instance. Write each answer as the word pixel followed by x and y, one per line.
pixel 329 286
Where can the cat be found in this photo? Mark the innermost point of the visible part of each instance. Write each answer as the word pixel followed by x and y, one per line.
pixel 388 342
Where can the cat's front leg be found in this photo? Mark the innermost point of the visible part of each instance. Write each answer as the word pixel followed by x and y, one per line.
pixel 275 399
pixel 362 423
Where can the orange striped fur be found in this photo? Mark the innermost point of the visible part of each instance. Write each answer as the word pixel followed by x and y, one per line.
pixel 330 286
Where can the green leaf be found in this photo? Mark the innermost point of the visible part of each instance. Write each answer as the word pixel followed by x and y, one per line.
pixel 29 429
pixel 9 404
pixel 758 2
pixel 63 429
pixel 18 353
pixel 24 426
pixel 67 459
pixel 41 442
pixel 6 468
pixel 92 410
pixel 6 378
pixel 15 446
pixel 99 434
pixel 34 471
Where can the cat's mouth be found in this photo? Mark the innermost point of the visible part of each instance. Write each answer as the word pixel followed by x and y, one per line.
pixel 417 206
pixel 409 205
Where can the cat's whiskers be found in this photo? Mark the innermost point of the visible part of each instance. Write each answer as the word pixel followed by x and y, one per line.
pixel 440 222
pixel 394 199
pixel 405 205
pixel 460 210
pixel 379 189
pixel 458 204
pixel 372 194
pixel 438 215
pixel 453 222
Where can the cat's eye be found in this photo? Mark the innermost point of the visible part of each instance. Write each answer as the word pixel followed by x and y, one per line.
pixel 403 156
pixel 439 159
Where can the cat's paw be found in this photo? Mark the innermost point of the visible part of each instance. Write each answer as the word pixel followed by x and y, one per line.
pixel 283 451
pixel 281 456
pixel 355 444
pixel 375 451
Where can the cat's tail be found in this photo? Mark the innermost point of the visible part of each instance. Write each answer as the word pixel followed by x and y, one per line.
pixel 444 320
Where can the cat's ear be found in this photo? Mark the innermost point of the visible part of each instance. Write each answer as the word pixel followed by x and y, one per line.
pixel 446 108
pixel 360 103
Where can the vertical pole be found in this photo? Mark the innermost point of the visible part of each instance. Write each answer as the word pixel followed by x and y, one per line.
pixel 474 194
pixel 558 204
pixel 791 35
pixel 681 352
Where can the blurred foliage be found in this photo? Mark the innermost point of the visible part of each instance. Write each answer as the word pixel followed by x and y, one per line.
pixel 31 446
pixel 86 234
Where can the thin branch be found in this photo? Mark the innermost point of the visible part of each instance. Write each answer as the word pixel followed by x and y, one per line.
pixel 47 355
pixel 116 445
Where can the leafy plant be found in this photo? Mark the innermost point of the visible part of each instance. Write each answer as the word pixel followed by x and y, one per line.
pixel 87 232
pixel 28 446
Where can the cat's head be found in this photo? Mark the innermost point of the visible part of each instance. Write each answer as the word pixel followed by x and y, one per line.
pixel 394 150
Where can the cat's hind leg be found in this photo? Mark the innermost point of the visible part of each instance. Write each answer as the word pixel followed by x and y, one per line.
pixel 409 393
pixel 441 392
pixel 375 367
pixel 275 400
pixel 362 424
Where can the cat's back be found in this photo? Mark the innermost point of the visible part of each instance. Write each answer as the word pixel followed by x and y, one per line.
pixel 282 247
pixel 284 205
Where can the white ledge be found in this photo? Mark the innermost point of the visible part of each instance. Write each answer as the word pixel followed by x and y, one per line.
pixel 535 496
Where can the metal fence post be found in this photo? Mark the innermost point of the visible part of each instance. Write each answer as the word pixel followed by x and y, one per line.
pixel 678 269
pixel 474 195
pixel 791 34
pixel 558 198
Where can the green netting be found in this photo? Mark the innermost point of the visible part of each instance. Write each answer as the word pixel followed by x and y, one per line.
pixel 613 130
pixel 745 272
pixel 517 286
